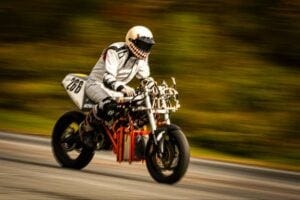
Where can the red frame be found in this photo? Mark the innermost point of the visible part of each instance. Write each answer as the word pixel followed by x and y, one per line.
pixel 116 137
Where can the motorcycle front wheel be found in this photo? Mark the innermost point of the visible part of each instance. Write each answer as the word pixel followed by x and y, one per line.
pixel 168 162
pixel 66 144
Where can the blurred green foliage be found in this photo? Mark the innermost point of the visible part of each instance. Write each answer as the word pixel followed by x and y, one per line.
pixel 236 65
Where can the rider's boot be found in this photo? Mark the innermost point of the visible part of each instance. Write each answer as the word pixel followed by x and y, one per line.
pixel 98 115
pixel 88 129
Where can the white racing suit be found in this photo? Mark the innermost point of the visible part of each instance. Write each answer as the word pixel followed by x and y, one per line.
pixel 114 70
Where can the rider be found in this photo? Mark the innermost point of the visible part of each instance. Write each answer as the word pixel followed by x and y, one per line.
pixel 117 66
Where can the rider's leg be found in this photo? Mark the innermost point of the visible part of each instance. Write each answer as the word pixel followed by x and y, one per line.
pixel 104 111
pixel 87 128
pixel 98 93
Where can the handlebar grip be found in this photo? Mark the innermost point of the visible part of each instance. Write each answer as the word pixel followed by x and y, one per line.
pixel 123 99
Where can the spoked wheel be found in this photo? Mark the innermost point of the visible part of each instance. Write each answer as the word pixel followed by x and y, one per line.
pixel 66 144
pixel 169 164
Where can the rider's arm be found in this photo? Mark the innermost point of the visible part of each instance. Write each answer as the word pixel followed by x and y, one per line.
pixel 111 61
pixel 143 70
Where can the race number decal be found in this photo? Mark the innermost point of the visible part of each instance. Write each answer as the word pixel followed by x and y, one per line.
pixel 74 85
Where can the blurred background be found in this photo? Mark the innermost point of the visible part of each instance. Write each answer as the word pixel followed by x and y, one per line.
pixel 236 64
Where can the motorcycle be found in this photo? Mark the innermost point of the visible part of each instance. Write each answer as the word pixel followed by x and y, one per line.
pixel 142 131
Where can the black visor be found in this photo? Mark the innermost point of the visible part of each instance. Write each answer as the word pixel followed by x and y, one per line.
pixel 144 43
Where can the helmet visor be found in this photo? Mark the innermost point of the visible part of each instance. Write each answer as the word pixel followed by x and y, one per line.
pixel 144 44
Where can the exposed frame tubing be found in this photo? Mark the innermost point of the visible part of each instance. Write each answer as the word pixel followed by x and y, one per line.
pixel 151 120
pixel 110 135
pixel 120 146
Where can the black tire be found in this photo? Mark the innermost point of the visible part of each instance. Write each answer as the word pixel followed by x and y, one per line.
pixel 175 142
pixel 61 153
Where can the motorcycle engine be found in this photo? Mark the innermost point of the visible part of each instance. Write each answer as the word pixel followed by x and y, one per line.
pixel 141 118
pixel 133 146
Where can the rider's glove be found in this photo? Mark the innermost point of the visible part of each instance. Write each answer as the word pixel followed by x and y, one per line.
pixel 128 91
pixel 148 82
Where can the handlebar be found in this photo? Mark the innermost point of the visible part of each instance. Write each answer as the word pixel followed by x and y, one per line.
pixel 126 99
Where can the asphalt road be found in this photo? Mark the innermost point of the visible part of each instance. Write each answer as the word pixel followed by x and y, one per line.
pixel 29 171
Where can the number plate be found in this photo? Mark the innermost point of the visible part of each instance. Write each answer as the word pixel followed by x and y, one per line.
pixel 74 84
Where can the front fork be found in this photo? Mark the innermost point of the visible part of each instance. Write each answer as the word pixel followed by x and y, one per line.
pixel 157 136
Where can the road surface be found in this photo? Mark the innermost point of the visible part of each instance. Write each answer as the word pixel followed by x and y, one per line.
pixel 29 171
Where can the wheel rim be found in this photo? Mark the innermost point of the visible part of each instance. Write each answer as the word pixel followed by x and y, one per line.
pixel 69 141
pixel 167 162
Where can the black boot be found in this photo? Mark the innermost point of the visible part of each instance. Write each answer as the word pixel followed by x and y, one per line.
pixel 88 130
pixel 97 116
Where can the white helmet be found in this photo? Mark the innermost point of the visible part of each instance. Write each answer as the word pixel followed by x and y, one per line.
pixel 139 40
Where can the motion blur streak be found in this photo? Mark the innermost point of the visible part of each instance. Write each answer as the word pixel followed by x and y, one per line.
pixel 236 64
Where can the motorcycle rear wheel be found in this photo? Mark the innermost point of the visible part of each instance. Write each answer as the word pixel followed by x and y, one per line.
pixel 171 165
pixel 66 143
